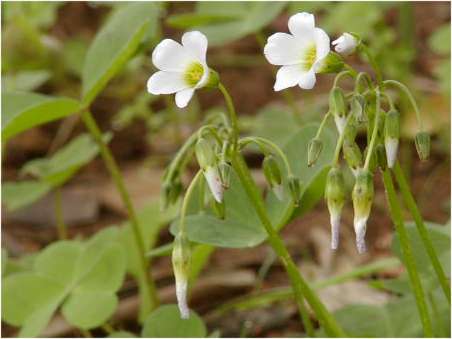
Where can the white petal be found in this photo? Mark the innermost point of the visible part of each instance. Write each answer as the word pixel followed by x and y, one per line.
pixel 340 123
pixel 322 43
pixel 205 77
pixel 288 76
pixel 171 56
pixel 391 146
pixel 335 221
pixel 302 25
pixel 360 225
pixel 183 97
pixel 283 49
pixel 214 182
pixel 196 43
pixel 307 80
pixel 166 83
pixel 181 295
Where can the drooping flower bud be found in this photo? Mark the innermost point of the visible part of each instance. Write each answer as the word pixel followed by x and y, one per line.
pixel 391 135
pixel 204 153
pixel 362 196
pixel 273 176
pixel 335 198
pixel 358 107
pixel 338 108
pixel 181 267
pixel 214 181
pixel 295 189
pixel 332 63
pixel 381 156
pixel 346 44
pixel 353 156
pixel 351 130
pixel 314 149
pixel 422 141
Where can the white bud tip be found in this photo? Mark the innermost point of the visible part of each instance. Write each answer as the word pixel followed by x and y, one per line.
pixel 360 225
pixel 213 180
pixel 181 294
pixel 340 123
pixel 279 192
pixel 335 221
pixel 345 44
pixel 391 146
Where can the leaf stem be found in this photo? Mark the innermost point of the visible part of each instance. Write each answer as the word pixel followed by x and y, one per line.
pixel 232 114
pixel 340 142
pixel 407 253
pixel 373 139
pixel 187 197
pixel 322 124
pixel 116 175
pixel 422 229
pixel 59 218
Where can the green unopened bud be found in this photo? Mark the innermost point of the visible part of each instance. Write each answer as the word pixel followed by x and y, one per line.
pixel 213 80
pixel 181 257
pixel 335 198
pixel 314 149
pixel 225 174
pixel 381 156
pixel 362 196
pixel 351 130
pixel 338 108
pixel 358 106
pixel 422 140
pixel 204 153
pixel 332 63
pixel 391 136
pixel 295 189
pixel 353 156
pixel 273 175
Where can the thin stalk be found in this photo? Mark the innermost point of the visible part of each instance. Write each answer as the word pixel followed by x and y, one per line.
pixel 422 229
pixel 118 179
pixel 59 218
pixel 407 253
pixel 339 75
pixel 373 139
pixel 299 285
pixel 359 77
pixel 340 141
pixel 187 197
pixel 407 92
pixel 232 114
pixel 322 124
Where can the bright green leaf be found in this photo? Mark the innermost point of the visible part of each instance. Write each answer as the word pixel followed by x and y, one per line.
pixel 23 110
pixel 18 194
pixel 165 322
pixel 25 80
pixel 115 44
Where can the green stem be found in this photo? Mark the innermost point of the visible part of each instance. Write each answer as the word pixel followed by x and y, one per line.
pixel 59 218
pixel 232 114
pixel 112 167
pixel 299 285
pixel 340 142
pixel 187 197
pixel 322 124
pixel 407 253
pixel 359 77
pixel 422 229
pixel 373 139
pixel 339 75
pixel 407 92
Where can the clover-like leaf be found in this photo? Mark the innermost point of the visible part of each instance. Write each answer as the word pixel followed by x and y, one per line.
pixel 165 322
pixel 24 110
pixel 19 194
pixel 116 42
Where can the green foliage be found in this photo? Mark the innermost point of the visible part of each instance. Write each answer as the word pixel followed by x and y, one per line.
pixel 249 17
pixel 22 111
pixel 25 80
pixel 165 322
pixel 82 277
pixel 19 194
pixel 115 44
pixel 439 42
pixel 241 226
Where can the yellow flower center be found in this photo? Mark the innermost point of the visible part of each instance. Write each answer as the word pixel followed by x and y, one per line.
pixel 193 73
pixel 309 58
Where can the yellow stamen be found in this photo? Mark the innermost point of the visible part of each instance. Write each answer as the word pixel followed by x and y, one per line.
pixel 193 73
pixel 309 57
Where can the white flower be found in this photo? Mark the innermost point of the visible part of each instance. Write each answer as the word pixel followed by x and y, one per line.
pixel 183 68
pixel 214 181
pixel 391 146
pixel 345 44
pixel 360 225
pixel 300 53
pixel 335 221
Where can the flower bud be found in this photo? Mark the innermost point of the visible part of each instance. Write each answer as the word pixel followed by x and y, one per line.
pixel 338 108
pixel 391 135
pixel 214 181
pixel 335 198
pixel 314 149
pixel 332 63
pixel 351 130
pixel 353 156
pixel 422 141
pixel 225 174
pixel 273 175
pixel 358 106
pixel 346 44
pixel 362 196
pixel 204 153
pixel 213 80
pixel 181 266
pixel 295 189
pixel 381 156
